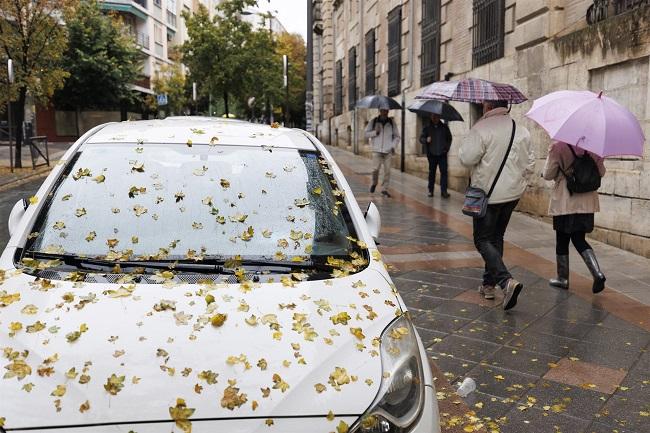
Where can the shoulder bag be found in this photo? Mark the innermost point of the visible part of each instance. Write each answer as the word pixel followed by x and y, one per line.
pixel 476 200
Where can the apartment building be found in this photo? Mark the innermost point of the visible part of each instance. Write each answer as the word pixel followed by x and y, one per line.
pixel 397 47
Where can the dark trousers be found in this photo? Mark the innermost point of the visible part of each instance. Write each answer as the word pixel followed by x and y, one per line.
pixel 488 239
pixel 562 242
pixel 436 161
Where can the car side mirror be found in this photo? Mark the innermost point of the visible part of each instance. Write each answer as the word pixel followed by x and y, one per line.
pixel 373 220
pixel 16 215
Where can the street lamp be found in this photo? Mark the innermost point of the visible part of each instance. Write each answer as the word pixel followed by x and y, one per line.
pixel 10 81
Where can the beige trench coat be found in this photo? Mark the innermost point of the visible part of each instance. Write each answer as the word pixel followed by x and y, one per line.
pixel 483 151
pixel 562 202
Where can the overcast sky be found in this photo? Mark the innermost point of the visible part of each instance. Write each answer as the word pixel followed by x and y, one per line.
pixel 291 13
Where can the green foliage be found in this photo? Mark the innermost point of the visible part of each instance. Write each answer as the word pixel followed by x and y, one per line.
pixel 171 82
pixel 100 50
pixel 229 59
pixel 32 35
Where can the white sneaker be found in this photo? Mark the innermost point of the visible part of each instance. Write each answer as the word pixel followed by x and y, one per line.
pixel 510 293
pixel 488 292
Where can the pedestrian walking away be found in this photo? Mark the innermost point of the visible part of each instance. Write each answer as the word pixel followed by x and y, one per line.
pixel 574 200
pixel 498 153
pixel 436 140
pixel 384 135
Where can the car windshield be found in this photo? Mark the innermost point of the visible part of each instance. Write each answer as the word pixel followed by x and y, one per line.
pixel 162 202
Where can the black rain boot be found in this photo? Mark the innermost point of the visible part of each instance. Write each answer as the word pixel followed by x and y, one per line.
pixel 592 263
pixel 562 280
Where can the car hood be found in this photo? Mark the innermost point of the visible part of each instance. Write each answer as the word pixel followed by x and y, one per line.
pixel 88 354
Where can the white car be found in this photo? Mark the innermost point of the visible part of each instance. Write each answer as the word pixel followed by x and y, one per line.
pixel 204 275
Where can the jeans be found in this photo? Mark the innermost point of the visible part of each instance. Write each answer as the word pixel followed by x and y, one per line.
pixel 488 239
pixel 379 160
pixel 436 161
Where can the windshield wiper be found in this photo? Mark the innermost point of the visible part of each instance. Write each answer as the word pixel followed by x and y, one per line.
pixel 91 264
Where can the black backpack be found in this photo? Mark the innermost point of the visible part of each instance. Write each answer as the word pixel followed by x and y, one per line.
pixel 585 176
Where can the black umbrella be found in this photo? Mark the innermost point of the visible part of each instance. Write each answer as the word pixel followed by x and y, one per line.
pixel 379 102
pixel 434 106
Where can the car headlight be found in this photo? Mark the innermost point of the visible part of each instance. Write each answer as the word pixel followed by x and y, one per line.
pixel 401 394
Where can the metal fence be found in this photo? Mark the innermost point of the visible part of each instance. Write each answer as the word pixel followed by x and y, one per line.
pixel 488 31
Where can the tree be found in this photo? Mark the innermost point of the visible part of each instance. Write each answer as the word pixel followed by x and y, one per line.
pixel 32 35
pixel 100 50
pixel 220 52
pixel 171 82
pixel 294 47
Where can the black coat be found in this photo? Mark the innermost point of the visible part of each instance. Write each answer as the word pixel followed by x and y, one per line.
pixel 441 139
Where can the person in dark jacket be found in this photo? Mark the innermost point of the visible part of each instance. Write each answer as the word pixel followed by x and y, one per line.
pixel 436 141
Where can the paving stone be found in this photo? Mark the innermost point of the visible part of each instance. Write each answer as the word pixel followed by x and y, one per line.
pixel 439 322
pixel 626 413
pixel 474 297
pixel 523 361
pixel 636 384
pixel 489 407
pixel 500 382
pixel 429 337
pixel 486 332
pixel 562 328
pixel 586 375
pixel 514 319
pixel 566 399
pixel 423 302
pixel 542 343
pixel 618 339
pixel 464 348
pixel 577 313
pixel 597 427
pixel 604 355
pixel 460 309
pixel 539 421
pixel 453 368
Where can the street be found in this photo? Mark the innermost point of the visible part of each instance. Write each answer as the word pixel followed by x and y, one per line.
pixel 9 198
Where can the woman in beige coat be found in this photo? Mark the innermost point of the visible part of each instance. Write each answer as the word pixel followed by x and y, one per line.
pixel 573 214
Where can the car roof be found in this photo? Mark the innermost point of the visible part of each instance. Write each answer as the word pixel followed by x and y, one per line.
pixel 201 131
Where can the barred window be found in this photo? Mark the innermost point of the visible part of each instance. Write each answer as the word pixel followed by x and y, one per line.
pixel 430 61
pixel 394 51
pixel 621 6
pixel 489 18
pixel 370 62
pixel 338 98
pixel 352 78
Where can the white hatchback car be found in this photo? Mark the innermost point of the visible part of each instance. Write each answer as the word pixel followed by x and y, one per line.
pixel 206 275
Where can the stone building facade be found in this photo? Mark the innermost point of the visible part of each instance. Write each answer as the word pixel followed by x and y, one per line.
pixel 397 47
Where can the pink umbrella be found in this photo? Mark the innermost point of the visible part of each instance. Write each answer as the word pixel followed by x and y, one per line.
pixel 590 121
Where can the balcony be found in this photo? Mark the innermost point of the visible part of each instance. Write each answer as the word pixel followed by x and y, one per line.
pixel 126 6
pixel 141 40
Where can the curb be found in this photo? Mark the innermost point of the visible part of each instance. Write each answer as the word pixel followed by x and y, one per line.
pixel 36 174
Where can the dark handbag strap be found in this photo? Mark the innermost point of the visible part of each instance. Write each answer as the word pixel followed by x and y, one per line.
pixel 503 164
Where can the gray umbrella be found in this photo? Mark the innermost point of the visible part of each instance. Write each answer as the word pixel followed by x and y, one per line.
pixel 379 102
pixel 434 106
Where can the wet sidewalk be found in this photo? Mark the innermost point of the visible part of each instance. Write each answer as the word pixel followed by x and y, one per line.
pixel 8 179
pixel 560 361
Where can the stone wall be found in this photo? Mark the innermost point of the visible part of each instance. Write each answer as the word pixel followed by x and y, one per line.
pixel 548 47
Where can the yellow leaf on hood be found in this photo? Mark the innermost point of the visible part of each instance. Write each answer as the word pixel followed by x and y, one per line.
pixel 181 415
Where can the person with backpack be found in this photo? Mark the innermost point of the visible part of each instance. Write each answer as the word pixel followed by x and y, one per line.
pixel 384 137
pixel 574 200
pixel 499 155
